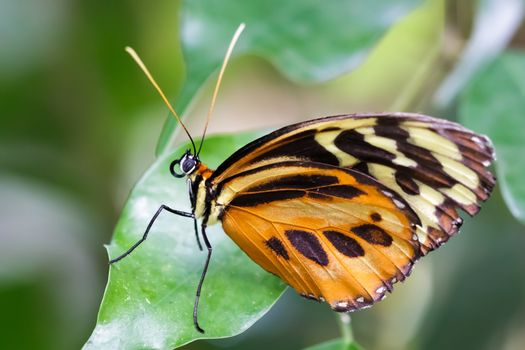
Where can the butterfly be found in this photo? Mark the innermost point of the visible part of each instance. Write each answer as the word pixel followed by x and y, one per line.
pixel 341 207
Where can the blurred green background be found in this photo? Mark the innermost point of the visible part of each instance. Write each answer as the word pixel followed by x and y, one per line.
pixel 79 126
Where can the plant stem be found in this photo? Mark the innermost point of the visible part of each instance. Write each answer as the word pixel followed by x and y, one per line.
pixel 344 325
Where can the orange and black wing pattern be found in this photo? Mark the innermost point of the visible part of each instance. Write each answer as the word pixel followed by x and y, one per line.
pixel 333 234
pixel 435 166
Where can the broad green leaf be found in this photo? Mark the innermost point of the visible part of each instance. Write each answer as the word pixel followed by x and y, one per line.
pixel 149 296
pixel 399 73
pixel 307 41
pixel 336 344
pixel 494 104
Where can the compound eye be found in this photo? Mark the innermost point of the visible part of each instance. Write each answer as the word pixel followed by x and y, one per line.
pixel 187 164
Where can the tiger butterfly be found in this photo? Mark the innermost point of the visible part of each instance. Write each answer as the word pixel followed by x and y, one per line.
pixel 340 207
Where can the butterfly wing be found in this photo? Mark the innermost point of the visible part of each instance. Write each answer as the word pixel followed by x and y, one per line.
pixel 331 233
pixel 435 165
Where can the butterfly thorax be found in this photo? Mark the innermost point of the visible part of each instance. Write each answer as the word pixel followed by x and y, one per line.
pixel 199 191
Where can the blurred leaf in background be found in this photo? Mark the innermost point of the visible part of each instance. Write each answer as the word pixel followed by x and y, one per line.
pixel 494 104
pixel 306 42
pixel 69 153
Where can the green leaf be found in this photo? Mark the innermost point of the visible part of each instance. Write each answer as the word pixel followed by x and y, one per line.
pixel 336 344
pixel 149 297
pixel 494 104
pixel 307 41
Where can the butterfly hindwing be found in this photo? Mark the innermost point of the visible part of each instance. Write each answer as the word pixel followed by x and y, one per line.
pixel 333 234
pixel 436 166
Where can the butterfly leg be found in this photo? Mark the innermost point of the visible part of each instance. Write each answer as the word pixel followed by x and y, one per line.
pixel 199 287
pixel 145 235
pixel 196 231
pixel 192 197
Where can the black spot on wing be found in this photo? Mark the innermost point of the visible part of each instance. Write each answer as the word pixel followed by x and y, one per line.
pixel 344 244
pixel 362 167
pixel 296 182
pixel 376 217
pixel 353 143
pixel 342 191
pixel 373 234
pixel 253 199
pixel 331 128
pixel 407 183
pixel 304 146
pixel 277 246
pixel 308 245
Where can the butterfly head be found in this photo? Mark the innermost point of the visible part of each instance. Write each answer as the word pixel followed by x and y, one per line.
pixel 187 164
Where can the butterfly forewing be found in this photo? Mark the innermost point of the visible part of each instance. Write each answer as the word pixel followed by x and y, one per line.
pixel 436 166
pixel 329 232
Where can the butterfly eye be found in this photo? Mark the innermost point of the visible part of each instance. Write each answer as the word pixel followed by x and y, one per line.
pixel 188 163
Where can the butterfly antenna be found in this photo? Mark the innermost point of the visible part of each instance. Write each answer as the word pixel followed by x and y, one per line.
pixel 142 66
pixel 219 79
